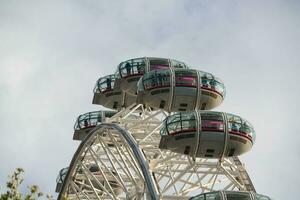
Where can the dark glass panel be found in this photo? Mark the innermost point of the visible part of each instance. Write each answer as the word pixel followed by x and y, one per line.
pixel 214 116
pixel 208 81
pixel 186 78
pixel 261 197
pixel 132 67
pixel 178 64
pixel 158 63
pixel 155 79
pixel 238 196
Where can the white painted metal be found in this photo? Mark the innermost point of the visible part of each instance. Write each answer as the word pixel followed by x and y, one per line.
pixel 122 175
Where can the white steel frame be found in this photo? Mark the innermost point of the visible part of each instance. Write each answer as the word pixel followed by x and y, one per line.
pixel 131 166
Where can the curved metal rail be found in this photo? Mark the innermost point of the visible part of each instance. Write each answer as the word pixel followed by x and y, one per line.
pixel 81 152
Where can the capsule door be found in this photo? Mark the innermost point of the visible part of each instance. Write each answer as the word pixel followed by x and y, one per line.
pixel 212 135
pixel 179 133
pixel 156 89
pixel 185 90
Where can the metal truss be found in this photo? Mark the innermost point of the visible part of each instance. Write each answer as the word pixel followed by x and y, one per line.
pixel 129 164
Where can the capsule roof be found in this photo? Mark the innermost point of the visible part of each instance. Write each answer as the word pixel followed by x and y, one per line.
pixel 139 66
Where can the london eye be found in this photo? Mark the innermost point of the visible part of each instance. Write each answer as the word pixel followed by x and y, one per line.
pixel 159 139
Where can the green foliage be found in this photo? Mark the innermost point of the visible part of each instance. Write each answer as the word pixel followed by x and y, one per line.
pixel 13 193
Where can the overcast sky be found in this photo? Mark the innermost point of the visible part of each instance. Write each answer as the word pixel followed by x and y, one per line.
pixel 52 53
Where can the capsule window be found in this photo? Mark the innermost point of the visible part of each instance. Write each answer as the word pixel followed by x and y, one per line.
pixel 200 197
pixel 209 82
pixel 215 116
pixel 219 87
pixel 178 64
pixel 88 120
pixel 234 127
pixel 62 175
pixel 156 79
pixel 208 125
pixel 213 196
pixel 238 125
pixel 163 131
pixel 182 122
pixel 187 125
pixel 212 121
pixel 158 63
pixel 132 67
pixel 186 78
pixel 233 118
pixel 174 127
pixel 105 84
pixel 261 197
pixel 208 196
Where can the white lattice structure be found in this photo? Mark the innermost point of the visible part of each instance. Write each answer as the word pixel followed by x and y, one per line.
pixel 149 171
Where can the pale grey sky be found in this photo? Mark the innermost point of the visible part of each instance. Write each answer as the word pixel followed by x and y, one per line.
pixel 52 53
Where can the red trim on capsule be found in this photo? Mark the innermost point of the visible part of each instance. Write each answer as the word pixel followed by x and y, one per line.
pixel 107 90
pixel 90 126
pixel 131 75
pixel 83 128
pixel 212 90
pixel 183 131
pixel 241 134
pixel 212 130
pixel 156 87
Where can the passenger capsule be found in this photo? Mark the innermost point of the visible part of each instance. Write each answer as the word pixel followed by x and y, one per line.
pixel 60 178
pixel 110 176
pixel 230 195
pixel 86 122
pixel 180 90
pixel 132 70
pixel 107 95
pixel 207 134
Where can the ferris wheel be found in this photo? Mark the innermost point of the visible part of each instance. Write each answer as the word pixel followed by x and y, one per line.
pixel 161 141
